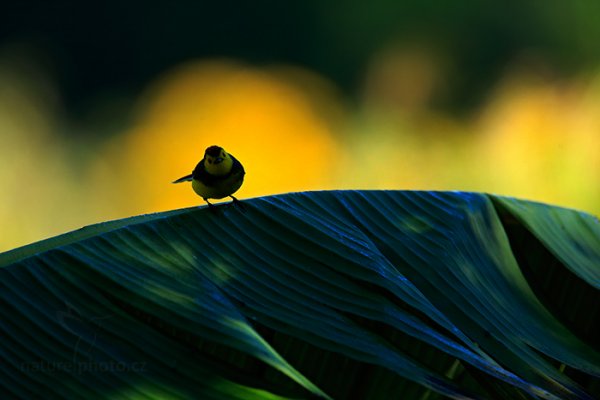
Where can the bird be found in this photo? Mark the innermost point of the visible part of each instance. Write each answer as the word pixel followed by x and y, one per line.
pixel 218 175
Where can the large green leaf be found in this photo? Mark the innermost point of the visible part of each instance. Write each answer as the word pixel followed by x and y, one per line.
pixel 573 236
pixel 351 294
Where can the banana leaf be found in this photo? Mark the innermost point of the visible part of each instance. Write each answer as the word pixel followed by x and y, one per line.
pixel 334 294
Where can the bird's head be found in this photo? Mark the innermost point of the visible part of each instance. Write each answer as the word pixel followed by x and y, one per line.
pixel 217 161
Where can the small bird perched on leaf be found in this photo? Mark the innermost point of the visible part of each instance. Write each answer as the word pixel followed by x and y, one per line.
pixel 217 175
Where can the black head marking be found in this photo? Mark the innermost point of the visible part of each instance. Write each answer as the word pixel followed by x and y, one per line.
pixel 213 151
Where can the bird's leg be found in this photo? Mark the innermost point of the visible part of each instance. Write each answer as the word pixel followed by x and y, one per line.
pixel 211 206
pixel 238 203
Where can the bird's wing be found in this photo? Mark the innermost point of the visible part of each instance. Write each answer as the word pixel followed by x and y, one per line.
pixel 203 176
pixel 237 167
pixel 184 179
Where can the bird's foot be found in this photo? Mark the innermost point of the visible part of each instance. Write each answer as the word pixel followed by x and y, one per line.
pixel 211 207
pixel 238 203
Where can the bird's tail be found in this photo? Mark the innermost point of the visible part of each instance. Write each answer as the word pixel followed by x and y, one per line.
pixel 184 179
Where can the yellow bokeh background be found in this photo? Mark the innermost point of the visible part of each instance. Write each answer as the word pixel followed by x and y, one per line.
pixel 262 117
pixel 294 131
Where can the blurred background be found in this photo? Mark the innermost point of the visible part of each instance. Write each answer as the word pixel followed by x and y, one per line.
pixel 103 104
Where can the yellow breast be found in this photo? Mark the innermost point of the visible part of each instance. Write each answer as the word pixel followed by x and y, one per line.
pixel 225 188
